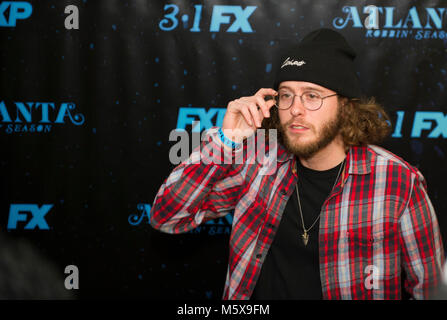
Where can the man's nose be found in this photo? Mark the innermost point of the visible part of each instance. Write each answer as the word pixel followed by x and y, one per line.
pixel 297 107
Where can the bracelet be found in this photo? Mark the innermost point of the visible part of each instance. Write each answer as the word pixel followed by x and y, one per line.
pixel 227 141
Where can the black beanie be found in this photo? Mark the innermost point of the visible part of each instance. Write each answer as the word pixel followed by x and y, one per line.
pixel 323 57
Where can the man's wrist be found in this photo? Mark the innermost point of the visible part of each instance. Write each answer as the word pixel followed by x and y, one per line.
pixel 228 142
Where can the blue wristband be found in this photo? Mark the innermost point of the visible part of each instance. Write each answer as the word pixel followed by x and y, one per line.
pixel 227 141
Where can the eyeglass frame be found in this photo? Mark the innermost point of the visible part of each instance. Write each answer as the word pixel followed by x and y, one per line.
pixel 301 98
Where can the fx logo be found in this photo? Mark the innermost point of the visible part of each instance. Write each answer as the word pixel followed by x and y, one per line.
pixel 424 120
pixel 17 212
pixel 241 15
pixel 185 118
pixel 11 11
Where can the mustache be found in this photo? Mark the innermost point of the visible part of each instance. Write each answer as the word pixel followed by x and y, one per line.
pixel 302 123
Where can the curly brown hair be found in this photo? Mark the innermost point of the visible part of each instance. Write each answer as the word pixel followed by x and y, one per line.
pixel 363 121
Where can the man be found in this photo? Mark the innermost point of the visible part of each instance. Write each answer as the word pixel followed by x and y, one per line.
pixel 338 217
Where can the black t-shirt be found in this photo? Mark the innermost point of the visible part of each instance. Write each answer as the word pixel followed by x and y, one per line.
pixel 291 270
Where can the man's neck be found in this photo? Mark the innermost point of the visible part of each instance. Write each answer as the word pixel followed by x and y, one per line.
pixel 327 158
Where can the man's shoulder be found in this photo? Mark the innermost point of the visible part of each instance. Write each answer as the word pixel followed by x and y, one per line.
pixel 388 160
pixel 383 154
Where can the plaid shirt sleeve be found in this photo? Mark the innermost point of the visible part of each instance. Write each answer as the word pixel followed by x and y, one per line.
pixel 201 188
pixel 422 248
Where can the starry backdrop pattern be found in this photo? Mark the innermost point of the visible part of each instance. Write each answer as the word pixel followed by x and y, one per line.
pixel 124 79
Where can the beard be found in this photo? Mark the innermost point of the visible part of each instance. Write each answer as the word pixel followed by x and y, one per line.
pixel 306 150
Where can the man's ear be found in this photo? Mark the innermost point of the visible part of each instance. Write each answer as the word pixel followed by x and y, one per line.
pixel 343 101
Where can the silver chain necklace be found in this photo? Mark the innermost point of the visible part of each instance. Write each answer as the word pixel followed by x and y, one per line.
pixel 305 235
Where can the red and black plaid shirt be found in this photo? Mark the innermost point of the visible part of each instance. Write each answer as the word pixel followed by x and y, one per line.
pixel 377 225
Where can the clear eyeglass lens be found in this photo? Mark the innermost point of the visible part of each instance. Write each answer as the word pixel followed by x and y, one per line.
pixel 285 100
pixel 310 100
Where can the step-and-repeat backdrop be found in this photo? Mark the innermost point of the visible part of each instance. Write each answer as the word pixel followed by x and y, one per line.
pixel 92 90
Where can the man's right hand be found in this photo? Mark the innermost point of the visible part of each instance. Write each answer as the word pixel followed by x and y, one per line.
pixel 245 114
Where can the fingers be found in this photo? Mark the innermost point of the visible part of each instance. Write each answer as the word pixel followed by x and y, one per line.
pixel 265 105
pixel 256 114
pixel 254 109
pixel 263 101
pixel 266 92
pixel 247 116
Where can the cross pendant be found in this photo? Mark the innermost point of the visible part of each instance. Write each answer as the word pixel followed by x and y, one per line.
pixel 305 237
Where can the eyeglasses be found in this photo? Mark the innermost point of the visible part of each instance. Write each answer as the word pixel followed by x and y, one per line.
pixel 311 100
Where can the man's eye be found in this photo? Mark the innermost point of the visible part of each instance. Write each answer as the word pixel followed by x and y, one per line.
pixel 312 96
pixel 285 95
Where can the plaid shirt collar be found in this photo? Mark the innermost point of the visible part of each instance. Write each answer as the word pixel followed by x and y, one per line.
pixel 358 159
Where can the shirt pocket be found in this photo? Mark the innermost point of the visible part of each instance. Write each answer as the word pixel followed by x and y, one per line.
pixel 366 239
pixel 375 248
